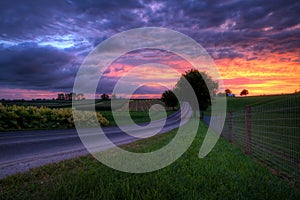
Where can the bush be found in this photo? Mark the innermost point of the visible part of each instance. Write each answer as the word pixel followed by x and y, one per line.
pixel 29 117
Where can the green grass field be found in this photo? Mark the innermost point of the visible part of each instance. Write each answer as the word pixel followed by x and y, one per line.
pixel 226 173
pixel 239 103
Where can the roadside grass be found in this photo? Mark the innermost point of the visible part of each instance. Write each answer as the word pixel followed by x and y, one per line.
pixel 226 173
pixel 275 136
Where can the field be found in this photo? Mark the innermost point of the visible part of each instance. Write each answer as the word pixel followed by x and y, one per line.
pixel 30 117
pixel 120 104
pixel 240 103
pixel 139 111
pixel 226 173
pixel 54 114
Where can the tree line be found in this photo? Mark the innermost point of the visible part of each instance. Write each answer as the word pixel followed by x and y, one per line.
pixel 204 87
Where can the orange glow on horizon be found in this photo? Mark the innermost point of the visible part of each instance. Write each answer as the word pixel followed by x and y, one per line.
pixel 275 75
pixel 265 75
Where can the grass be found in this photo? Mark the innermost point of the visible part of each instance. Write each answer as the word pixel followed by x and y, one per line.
pixel 226 173
pixel 138 117
pixel 239 103
pixel 275 136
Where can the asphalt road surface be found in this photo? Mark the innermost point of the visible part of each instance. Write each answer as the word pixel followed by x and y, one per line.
pixel 23 150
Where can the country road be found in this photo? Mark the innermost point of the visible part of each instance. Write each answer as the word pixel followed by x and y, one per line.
pixel 23 150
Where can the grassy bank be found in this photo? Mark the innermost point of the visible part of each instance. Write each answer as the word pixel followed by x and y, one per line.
pixel 226 173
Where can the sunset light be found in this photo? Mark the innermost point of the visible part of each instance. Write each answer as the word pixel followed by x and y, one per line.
pixel 255 46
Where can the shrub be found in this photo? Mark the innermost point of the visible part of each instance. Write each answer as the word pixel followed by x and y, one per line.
pixel 29 117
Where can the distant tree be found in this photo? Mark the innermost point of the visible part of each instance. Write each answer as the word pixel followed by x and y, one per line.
pixel 244 92
pixel 113 96
pixel 104 97
pixel 73 96
pixel 69 96
pixel 169 98
pixel 200 82
pixel 60 96
pixel 228 92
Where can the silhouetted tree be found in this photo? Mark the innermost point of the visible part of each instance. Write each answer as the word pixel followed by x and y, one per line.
pixel 60 96
pixel 200 82
pixel 104 97
pixel 70 96
pixel 228 92
pixel 244 92
pixel 169 98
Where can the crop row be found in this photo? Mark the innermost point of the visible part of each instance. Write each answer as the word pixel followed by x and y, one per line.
pixel 144 105
pixel 29 117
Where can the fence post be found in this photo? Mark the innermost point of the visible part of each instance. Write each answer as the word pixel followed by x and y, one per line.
pixel 248 129
pixel 230 127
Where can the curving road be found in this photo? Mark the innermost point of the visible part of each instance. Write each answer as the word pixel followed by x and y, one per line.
pixel 23 150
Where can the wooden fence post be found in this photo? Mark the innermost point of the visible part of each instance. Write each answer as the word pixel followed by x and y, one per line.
pixel 248 129
pixel 230 128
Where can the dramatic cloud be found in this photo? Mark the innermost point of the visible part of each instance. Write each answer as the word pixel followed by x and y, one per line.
pixel 29 66
pixel 43 43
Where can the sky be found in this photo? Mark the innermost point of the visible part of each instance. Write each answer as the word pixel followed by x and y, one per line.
pixel 255 44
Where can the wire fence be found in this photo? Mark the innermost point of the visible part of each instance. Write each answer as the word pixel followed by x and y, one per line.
pixel 270 133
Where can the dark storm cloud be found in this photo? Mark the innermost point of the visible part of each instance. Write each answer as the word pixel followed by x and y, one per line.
pixel 98 20
pixel 19 19
pixel 29 66
pixel 277 14
pixel 28 19
pixel 98 7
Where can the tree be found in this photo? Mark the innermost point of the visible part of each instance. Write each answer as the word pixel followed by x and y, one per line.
pixel 60 96
pixel 104 97
pixel 202 84
pixel 228 92
pixel 169 98
pixel 244 92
